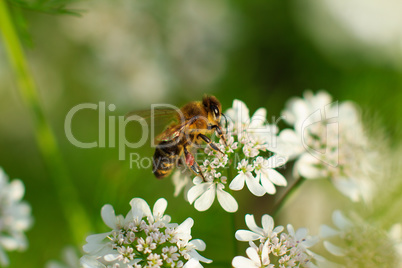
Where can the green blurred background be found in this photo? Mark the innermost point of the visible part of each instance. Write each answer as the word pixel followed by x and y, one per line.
pixel 134 53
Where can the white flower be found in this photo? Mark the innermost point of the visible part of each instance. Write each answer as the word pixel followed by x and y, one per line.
pixel 250 146
pixel 360 243
pixel 143 237
pixel 275 249
pixel 245 175
pixel 70 259
pixel 328 140
pixel 15 217
pixel 203 193
pixel 267 175
pixel 266 232
pixel 256 258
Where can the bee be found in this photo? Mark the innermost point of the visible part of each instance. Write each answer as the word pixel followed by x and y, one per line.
pixel 193 122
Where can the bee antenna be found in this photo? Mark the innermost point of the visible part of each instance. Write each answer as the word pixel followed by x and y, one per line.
pixel 226 120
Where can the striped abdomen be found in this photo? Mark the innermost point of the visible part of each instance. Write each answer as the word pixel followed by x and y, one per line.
pixel 165 157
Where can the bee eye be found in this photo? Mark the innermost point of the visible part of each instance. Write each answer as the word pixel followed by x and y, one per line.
pixel 215 110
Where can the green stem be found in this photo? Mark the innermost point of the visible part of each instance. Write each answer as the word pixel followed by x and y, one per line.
pixel 232 217
pixel 74 213
pixel 280 202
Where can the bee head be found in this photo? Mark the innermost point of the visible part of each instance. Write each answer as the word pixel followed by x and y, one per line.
pixel 213 107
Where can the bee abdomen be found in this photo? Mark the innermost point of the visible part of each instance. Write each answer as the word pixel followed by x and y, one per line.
pixel 164 160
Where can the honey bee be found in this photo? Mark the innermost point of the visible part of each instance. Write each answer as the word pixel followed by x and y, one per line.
pixel 193 122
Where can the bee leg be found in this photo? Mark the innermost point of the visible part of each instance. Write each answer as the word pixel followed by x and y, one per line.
pixel 192 164
pixel 220 133
pixel 210 143
pixel 179 162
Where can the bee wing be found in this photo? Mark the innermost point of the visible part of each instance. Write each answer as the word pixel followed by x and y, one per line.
pixel 159 115
pixel 167 122
pixel 175 130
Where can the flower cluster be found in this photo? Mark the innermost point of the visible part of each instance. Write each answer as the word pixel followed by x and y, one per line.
pixel 328 140
pixel 15 217
pixel 361 244
pixel 251 147
pixel 143 239
pixel 276 248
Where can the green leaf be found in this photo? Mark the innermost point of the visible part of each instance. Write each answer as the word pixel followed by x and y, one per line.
pixel 57 7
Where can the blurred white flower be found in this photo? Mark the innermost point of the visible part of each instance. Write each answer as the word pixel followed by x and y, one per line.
pixel 143 238
pixel 360 243
pixel 15 217
pixel 329 141
pixel 275 249
pixel 366 28
pixel 70 259
pixel 150 49
pixel 395 234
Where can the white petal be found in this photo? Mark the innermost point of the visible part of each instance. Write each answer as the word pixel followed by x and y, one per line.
pixel 199 244
pixel 129 218
pixel 291 230
pixel 253 255
pixel 90 262
pixel 250 222
pixel 258 119
pixel 205 201
pixel 16 190
pixel 243 262
pixel 192 263
pixel 195 255
pixel 254 186
pixel 278 229
pixel 275 161
pixel 111 257
pixel 227 201
pixel 242 111
pixel 185 226
pixel 267 184
pixel 109 216
pixel 267 223
pixel 140 208
pixel 196 191
pixel 246 235
pixel 160 207
pixel 265 253
pixel 341 221
pixel 301 233
pixel 288 143
pixel 310 241
pixel 307 167
pixel 348 188
pixel 238 182
pixel 276 177
pixel 334 250
pixel 326 231
pixel 94 242
pixel 97 238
